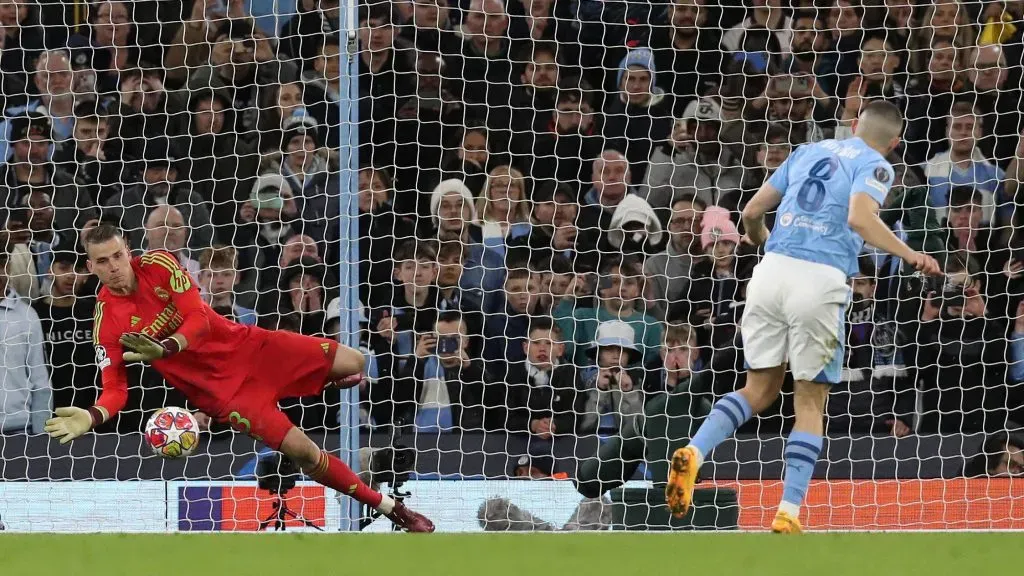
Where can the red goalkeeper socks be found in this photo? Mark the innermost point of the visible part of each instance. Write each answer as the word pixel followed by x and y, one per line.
pixel 333 473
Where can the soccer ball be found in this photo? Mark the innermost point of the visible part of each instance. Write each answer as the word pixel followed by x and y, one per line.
pixel 172 433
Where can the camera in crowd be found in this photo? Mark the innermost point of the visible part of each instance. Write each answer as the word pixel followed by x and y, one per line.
pixel 946 290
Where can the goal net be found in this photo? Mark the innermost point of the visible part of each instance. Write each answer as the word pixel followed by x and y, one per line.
pixel 526 214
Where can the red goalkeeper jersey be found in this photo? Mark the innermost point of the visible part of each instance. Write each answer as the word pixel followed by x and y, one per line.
pixel 166 301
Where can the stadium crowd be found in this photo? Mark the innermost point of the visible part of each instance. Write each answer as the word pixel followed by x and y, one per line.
pixel 548 196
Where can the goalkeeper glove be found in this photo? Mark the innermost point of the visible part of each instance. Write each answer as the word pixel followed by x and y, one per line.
pixel 142 348
pixel 69 424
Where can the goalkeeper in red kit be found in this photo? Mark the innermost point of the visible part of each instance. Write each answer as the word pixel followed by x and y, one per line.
pixel 149 310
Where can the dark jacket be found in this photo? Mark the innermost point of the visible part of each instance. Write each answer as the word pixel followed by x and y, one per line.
pixel 560 398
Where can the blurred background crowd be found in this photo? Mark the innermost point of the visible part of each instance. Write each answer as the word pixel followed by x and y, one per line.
pixel 548 195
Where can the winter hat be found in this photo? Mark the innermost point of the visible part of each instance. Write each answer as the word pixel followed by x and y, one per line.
pixel 300 123
pixel 266 192
pixel 634 209
pixel 717 226
pixel 446 187
pixel 641 57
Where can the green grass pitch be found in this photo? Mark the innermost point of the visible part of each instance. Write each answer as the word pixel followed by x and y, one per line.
pixel 617 554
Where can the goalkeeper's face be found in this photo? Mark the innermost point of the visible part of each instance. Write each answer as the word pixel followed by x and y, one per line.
pixel 112 264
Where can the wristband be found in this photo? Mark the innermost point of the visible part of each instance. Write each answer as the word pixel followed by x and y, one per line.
pixel 171 346
pixel 97 415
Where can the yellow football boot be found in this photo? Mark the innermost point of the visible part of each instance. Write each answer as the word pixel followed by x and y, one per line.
pixel 681 478
pixel 786 524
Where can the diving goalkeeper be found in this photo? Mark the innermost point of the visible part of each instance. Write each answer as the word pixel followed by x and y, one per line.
pixel 150 311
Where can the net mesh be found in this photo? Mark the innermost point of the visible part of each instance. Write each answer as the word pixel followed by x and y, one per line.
pixel 540 203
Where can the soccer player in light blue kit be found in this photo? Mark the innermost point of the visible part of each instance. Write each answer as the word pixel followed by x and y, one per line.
pixel 828 196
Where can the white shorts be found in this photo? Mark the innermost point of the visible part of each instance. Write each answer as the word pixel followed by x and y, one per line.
pixel 795 312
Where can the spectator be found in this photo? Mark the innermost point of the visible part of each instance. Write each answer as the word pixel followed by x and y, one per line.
pixel 269 217
pixel 431 26
pixel 812 50
pixel 960 354
pixel 552 223
pixel 29 167
pixel 483 62
pixel 322 88
pixel 26 401
pixel 165 230
pixel 452 294
pixel 687 53
pixel 300 34
pixel 43 239
pixel 144 113
pixel 304 168
pixel 278 103
pixel 879 394
pixel 303 296
pixel 52 82
pixel 566 149
pixel 998 100
pixel 21 271
pixel 677 360
pixel 218 277
pixel 447 378
pixel 159 186
pixel 929 96
pixel 876 77
pixel 379 229
pixel 616 390
pixel 965 165
pixel 635 228
pixel 23 41
pixel 386 78
pixel 545 391
pixel 772 150
pixel 451 205
pixel 967 237
pixel 503 208
pixel 638 118
pixel 766 14
pixel 240 62
pixel 220 165
pixel 668 273
pixel 612 181
pixel 413 306
pixel 1001 456
pixel 66 317
pixel 718 283
pixel 92 157
pixel 532 105
pixel 791 105
pixel 693 161
pixel 506 332
pixel 619 298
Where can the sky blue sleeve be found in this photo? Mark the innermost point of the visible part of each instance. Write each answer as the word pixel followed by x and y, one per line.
pixel 780 179
pixel 874 179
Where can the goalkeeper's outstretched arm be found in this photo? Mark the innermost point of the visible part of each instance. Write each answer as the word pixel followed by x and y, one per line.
pixel 70 422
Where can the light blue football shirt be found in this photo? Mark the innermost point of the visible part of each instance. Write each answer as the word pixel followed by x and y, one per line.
pixel 816 183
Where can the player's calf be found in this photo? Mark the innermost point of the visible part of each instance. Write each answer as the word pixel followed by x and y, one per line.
pixel 330 471
pixel 802 447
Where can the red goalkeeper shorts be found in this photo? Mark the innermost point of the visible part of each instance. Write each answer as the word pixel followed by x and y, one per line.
pixel 287 365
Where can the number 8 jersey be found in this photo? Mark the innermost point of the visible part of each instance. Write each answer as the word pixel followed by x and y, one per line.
pixel 816 183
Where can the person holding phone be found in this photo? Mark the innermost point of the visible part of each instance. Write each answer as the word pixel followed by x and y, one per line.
pixel 446 378
pixel 616 396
